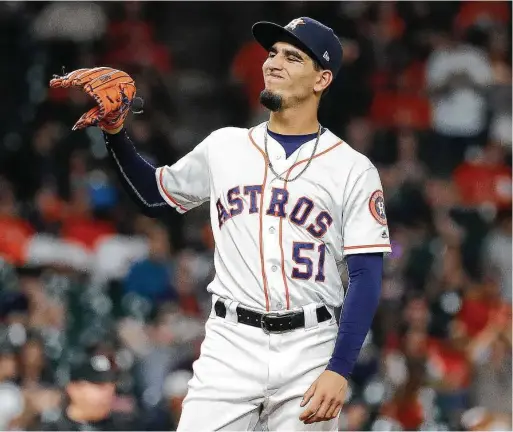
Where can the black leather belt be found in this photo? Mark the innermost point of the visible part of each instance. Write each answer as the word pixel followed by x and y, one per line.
pixel 272 322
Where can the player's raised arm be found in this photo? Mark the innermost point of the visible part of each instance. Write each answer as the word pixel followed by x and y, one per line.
pixel 184 185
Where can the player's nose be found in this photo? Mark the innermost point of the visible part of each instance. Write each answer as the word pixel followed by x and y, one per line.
pixel 275 62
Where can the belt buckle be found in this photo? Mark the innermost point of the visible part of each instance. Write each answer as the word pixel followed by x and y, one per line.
pixel 263 322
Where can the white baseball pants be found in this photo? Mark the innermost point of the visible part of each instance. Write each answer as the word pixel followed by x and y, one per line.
pixel 244 376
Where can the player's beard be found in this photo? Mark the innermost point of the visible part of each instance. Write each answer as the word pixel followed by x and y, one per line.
pixel 271 100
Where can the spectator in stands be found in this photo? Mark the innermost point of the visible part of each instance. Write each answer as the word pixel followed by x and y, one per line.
pixel 413 346
pixel 33 164
pixel 91 393
pixel 354 416
pixel 12 406
pixel 192 273
pixel 167 413
pixel 360 133
pixel 490 351
pixel 153 278
pixel 44 313
pixel 457 78
pixel 160 348
pixel 8 364
pixel 246 69
pixel 63 21
pixel 8 279
pixel 452 369
pixel 34 369
pixel 473 13
pixel 485 180
pixel 16 232
pixel 132 43
pixel 500 92
pixel 496 254
pixel 81 225
pixel 411 169
pixel 405 406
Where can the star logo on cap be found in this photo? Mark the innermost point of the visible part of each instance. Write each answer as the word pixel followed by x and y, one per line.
pixel 294 23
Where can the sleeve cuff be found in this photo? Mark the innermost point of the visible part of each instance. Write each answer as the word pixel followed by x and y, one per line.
pixel 340 366
pixel 117 139
pixel 166 195
pixel 386 248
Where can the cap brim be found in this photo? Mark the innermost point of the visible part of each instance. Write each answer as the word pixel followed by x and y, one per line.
pixel 95 378
pixel 268 33
pixel 104 377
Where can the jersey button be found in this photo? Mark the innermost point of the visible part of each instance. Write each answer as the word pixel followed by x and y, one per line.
pixel 278 157
pixel 279 305
pixel 274 268
pixel 272 230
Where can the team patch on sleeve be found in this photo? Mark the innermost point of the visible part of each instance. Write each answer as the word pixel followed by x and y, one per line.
pixel 377 207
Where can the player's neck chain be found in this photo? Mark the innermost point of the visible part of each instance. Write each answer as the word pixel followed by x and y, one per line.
pixel 307 164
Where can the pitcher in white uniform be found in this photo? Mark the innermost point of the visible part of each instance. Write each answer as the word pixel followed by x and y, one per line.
pixel 289 203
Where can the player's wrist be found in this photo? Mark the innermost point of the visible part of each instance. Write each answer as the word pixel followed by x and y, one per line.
pixel 113 131
pixel 340 366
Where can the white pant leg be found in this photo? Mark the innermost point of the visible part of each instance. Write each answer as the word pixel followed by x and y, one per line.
pixel 299 358
pixel 229 379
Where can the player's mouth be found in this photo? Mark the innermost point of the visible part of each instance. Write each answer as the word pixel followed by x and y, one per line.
pixel 274 77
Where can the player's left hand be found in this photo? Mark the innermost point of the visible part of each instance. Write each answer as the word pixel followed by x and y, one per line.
pixel 324 398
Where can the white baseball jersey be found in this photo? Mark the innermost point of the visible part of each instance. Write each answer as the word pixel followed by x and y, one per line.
pixel 280 245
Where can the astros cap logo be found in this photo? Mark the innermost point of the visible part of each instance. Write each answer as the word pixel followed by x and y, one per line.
pixel 294 23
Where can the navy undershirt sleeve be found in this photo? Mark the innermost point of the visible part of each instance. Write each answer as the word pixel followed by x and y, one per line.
pixel 360 304
pixel 136 174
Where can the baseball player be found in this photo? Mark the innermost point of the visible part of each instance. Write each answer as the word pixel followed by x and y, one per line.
pixel 290 204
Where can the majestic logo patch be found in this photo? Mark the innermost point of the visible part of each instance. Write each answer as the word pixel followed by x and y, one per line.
pixel 294 23
pixel 377 207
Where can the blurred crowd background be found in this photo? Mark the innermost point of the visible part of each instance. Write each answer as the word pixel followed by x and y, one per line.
pixel 424 91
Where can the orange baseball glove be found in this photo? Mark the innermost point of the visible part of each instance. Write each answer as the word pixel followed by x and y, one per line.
pixel 113 91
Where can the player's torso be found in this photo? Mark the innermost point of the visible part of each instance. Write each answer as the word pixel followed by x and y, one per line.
pixel 278 243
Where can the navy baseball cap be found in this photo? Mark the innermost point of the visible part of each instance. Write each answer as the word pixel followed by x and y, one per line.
pixel 309 35
pixel 96 369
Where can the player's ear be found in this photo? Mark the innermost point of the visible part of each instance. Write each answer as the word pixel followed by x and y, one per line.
pixel 324 79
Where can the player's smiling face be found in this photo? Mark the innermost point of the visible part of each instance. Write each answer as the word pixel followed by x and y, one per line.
pixel 291 73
